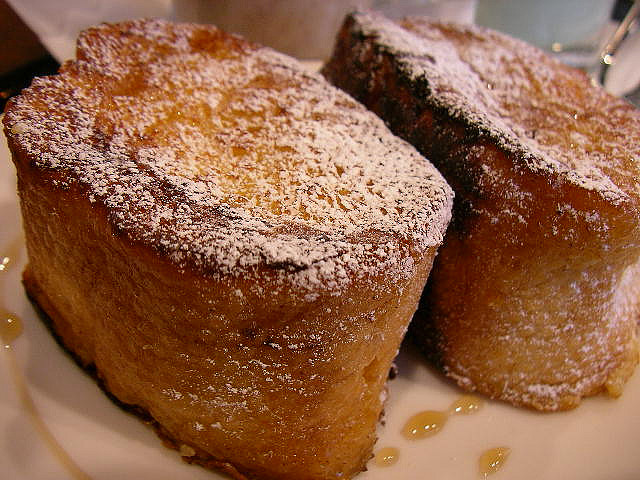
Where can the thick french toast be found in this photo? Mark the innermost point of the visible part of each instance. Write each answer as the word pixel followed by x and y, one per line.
pixel 534 297
pixel 235 245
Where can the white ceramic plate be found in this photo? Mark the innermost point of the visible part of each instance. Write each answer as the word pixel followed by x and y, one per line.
pixel 600 440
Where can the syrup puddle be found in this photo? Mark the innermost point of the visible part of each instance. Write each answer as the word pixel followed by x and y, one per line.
pixel 492 460
pixel 387 456
pixel 10 329
pixel 429 422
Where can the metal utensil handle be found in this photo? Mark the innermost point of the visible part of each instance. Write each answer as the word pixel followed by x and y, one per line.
pixel 612 45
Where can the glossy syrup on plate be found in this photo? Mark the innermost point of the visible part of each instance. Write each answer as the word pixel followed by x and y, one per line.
pixel 11 327
pixel 387 456
pixel 429 422
pixel 492 460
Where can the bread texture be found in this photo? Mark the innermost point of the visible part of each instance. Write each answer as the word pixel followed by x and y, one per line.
pixel 535 295
pixel 234 245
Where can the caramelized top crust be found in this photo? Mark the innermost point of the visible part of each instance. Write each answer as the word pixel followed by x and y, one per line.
pixel 550 115
pixel 226 155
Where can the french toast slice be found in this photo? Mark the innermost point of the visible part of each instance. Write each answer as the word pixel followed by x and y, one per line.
pixel 234 245
pixel 534 297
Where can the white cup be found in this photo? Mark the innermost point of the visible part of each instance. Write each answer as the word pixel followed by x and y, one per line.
pixel 449 10
pixel 572 29
pixel 302 28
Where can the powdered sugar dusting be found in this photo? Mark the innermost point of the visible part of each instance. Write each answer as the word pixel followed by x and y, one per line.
pixel 553 298
pixel 549 115
pixel 227 155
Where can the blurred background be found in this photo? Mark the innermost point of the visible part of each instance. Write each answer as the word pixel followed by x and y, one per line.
pixel 37 34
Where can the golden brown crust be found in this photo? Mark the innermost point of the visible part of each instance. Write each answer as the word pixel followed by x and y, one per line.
pixel 534 295
pixel 271 381
pixel 257 335
pixel 237 157
pixel 47 312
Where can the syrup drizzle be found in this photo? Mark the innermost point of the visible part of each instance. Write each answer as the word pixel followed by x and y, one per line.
pixel 10 329
pixel 493 460
pixel 387 456
pixel 424 424
pixel 429 422
pixel 466 405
